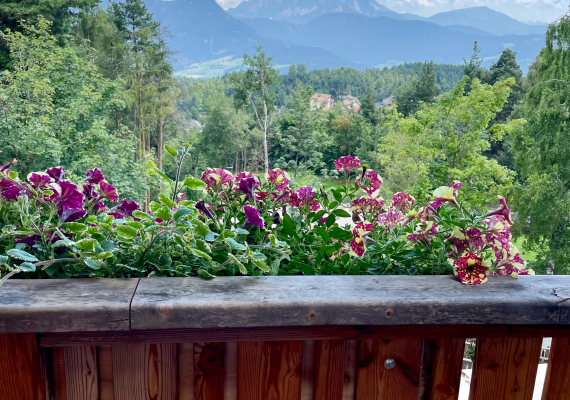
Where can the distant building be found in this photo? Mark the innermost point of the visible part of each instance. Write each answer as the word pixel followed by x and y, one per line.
pixel 195 124
pixel 388 102
pixel 350 103
pixel 324 101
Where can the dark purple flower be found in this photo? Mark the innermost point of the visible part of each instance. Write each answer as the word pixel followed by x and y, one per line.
pixel 248 186
pixel 116 215
pixel 202 207
pixel 252 217
pixel 10 164
pixel 99 207
pixel 502 210
pixel 94 176
pixel 69 196
pixel 68 214
pixel 276 217
pixel 89 191
pixel 127 207
pixel 108 192
pixel 39 181
pixel 29 240
pixel 56 173
pixel 9 190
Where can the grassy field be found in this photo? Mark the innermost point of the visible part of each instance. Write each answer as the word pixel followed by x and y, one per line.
pixel 525 254
pixel 215 68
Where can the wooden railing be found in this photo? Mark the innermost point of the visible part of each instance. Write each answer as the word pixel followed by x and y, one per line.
pixel 290 338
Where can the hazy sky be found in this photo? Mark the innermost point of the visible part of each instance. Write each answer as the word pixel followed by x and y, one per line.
pixel 524 10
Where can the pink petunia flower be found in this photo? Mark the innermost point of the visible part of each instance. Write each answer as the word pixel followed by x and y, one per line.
pixel 470 269
pixel 370 182
pixel 347 164
pixel 279 178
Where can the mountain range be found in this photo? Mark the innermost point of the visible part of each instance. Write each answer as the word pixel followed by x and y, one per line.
pixel 335 33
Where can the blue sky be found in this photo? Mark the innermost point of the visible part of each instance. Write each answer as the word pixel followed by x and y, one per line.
pixel 523 10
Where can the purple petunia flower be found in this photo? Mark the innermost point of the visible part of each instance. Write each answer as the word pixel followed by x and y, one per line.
pixel 108 192
pixel 39 181
pixel 68 214
pixel 56 173
pixel 89 191
pixel 12 193
pixel 127 207
pixel 248 186
pixel 99 207
pixel 94 176
pixel 279 178
pixel 69 196
pixel 10 164
pixel 29 240
pixel 202 207
pixel 252 217
pixel 347 164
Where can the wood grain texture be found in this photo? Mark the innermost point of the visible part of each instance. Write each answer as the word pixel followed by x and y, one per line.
pixel 308 370
pixel 145 372
pixel 262 301
pixel 186 371
pixel 375 382
pixel 301 333
pixel 81 373
pixel 20 368
pixel 106 380
pixel 505 369
pixel 350 356
pixel 557 380
pixel 65 305
pixel 230 371
pixel 58 373
pixel 446 363
pixel 269 370
pixel 329 370
pixel 209 371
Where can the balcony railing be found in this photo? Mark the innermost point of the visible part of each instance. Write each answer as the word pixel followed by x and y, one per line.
pixel 290 338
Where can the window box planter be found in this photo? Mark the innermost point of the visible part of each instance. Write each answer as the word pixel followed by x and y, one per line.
pixel 311 337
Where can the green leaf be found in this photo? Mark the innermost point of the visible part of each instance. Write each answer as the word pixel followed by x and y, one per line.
pixel 235 261
pixel 104 255
pixel 91 219
pixel 93 264
pixel 141 215
pixel 201 254
pixel 319 215
pixel 86 244
pixel 27 267
pixel 273 240
pixel 108 245
pixel 261 265
pixel 135 224
pixel 165 260
pixel 289 225
pixel 200 228
pixel 154 207
pixel 21 255
pixel 163 213
pixel 340 234
pixel 205 274
pixel 322 233
pixel 13 175
pixel 76 227
pixel 63 242
pixel 181 213
pixel 194 183
pixel 164 200
pixel 3 260
pixel 331 219
pixel 107 227
pixel 126 232
pixel 172 152
pixel 161 174
pixel 341 213
pixel 234 245
pixel 337 194
pixel 241 231
pixel 306 268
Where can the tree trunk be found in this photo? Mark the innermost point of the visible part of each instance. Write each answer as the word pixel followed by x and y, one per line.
pixel 266 128
pixel 159 148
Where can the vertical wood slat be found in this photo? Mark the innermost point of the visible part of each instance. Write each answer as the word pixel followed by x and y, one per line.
pixel 351 349
pixel 505 369
pixel 59 384
pixel 209 371
pixel 329 370
pixel 308 370
pixel 186 371
pixel 145 372
pixel 270 370
pixel 81 373
pixel 230 371
pixel 20 368
pixel 374 381
pixel 557 380
pixel 446 364
pixel 106 380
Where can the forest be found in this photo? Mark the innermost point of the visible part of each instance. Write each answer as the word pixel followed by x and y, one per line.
pixel 88 83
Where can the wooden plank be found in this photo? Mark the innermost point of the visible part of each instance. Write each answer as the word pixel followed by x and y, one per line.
pixel 301 333
pixel 505 369
pixel 446 363
pixel 270 370
pixel 106 380
pixel 81 373
pixel 374 381
pixel 229 302
pixel 308 370
pixel 59 384
pixel 145 372
pixel 186 371
pixel 230 371
pixel 20 368
pixel 209 371
pixel 47 372
pixel 557 380
pixel 65 305
pixel 329 369
pixel 351 349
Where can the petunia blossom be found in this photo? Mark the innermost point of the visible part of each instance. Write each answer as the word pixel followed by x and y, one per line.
pixel 202 207
pixel 108 192
pixel 279 178
pixel 358 243
pixel 403 201
pixel 128 207
pixel 367 206
pixel 10 164
pixel 56 173
pixel 470 269
pixel 370 182
pixel 217 177
pixel 304 197
pixel 252 217
pixel 68 214
pixel 503 210
pixel 391 218
pixel 248 186
pixel 94 176
pixel 68 195
pixel 425 232
pixel 446 194
pixel 347 164
pixel 39 180
pixel 89 191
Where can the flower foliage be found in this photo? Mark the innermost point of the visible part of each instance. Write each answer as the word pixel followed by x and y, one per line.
pixel 57 225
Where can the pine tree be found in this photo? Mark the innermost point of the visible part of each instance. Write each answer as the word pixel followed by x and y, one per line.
pixel 368 106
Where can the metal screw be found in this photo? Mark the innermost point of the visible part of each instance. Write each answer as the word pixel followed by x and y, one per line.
pixel 389 363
